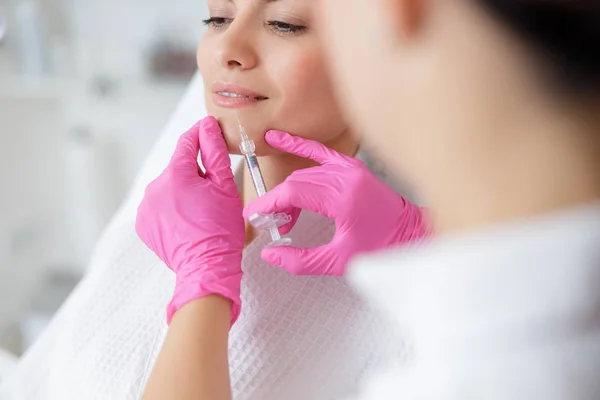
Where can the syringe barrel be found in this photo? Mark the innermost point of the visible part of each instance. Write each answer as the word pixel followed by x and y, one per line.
pixel 257 179
pixel 247 147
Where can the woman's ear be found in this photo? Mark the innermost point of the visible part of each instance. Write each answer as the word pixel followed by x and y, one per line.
pixel 406 17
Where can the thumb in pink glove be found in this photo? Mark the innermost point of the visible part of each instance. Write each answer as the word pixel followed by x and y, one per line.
pixel 193 220
pixel 368 214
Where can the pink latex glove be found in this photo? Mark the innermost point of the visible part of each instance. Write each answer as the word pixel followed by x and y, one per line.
pixel 193 220
pixel 368 214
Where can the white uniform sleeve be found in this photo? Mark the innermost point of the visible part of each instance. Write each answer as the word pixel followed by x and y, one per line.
pixel 512 313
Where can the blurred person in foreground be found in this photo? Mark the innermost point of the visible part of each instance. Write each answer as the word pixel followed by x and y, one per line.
pixel 504 98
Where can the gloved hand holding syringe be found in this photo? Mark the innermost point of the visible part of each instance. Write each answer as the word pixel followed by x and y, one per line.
pixel 270 222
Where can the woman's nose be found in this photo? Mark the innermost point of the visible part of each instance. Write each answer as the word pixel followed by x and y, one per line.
pixel 236 49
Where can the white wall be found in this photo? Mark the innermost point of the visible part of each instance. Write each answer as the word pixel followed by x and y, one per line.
pixel 134 24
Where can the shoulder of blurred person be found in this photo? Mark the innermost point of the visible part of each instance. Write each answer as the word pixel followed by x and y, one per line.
pixel 505 312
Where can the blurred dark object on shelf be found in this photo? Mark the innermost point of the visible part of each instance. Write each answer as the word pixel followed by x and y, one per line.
pixel 171 61
pixel 105 87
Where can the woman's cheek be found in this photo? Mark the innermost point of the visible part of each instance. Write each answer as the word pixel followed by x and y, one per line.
pixel 304 77
pixel 203 55
pixel 310 109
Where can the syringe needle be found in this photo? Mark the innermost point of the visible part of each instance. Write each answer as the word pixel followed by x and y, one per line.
pixel 243 133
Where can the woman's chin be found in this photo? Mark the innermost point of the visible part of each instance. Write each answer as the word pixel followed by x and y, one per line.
pixel 233 140
pixel 262 148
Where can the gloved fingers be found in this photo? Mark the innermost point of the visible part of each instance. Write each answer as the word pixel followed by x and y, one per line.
pixel 293 194
pixel 294 214
pixel 215 156
pixel 318 261
pixel 302 147
pixel 185 157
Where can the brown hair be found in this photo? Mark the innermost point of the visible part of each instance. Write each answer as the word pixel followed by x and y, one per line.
pixel 566 33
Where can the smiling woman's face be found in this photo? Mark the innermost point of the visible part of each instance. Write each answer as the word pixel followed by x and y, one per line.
pixel 262 59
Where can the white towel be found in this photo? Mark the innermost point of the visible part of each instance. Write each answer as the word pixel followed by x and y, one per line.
pixel 8 362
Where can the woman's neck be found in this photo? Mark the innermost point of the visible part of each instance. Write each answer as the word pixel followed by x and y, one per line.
pixel 546 165
pixel 275 169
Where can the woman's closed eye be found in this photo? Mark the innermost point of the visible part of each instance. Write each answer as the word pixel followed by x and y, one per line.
pixel 284 28
pixel 217 22
pixel 278 27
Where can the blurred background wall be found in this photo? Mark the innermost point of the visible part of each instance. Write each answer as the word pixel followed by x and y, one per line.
pixel 85 88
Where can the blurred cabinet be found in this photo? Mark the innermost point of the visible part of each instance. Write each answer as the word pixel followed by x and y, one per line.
pixel 73 138
pixel 31 182
pixel 69 152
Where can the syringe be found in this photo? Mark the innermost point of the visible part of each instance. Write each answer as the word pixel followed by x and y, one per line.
pixel 266 222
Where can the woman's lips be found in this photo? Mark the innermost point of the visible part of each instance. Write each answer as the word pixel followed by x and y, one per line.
pixel 234 102
pixel 234 96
